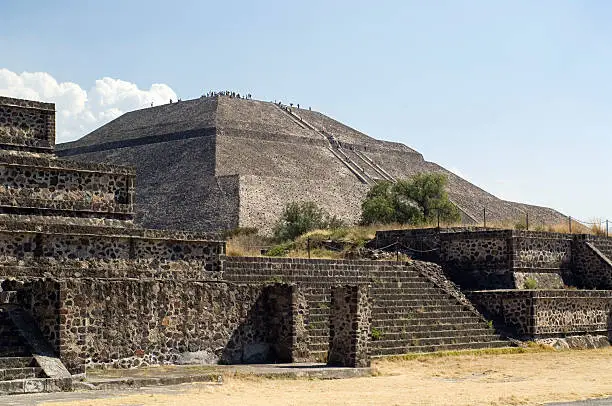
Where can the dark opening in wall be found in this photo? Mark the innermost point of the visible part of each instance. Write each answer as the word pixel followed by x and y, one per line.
pixel 271 331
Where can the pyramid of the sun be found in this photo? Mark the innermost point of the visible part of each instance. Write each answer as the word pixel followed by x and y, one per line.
pixel 219 163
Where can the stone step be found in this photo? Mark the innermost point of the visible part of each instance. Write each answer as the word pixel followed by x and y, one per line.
pixel 321 355
pixel 413 294
pixel 16 362
pixel 318 340
pixel 418 308
pixel 404 283
pixel 421 289
pixel 398 332
pixel 35 385
pixel 16 351
pixel 433 323
pixel 385 278
pixel 8 333
pixel 399 327
pixel 319 346
pixel 390 313
pixel 317 311
pixel 398 350
pixel 436 340
pixel 399 296
pixel 433 334
pixel 313 328
pixel 425 319
pixel 20 373
pixel 318 318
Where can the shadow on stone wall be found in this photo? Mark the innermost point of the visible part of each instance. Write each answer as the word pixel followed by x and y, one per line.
pixel 267 333
pixel 39 298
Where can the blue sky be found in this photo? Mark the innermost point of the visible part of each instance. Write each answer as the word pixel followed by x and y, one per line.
pixel 515 96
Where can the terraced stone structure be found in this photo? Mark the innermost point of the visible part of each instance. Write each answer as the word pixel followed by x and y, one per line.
pixel 72 262
pixel 82 286
pixel 223 163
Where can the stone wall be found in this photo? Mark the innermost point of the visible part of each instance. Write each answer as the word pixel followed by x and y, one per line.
pixel 549 313
pixel 40 298
pixel 27 125
pixel 102 321
pixel 542 251
pixel 62 184
pixel 37 249
pixel 201 199
pixel 129 323
pixel 263 199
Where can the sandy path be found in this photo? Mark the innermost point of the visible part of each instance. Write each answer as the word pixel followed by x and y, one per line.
pixel 511 379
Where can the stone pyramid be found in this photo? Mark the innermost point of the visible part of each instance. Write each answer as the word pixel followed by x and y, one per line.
pixel 217 163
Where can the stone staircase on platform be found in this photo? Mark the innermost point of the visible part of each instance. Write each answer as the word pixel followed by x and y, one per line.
pixel 24 367
pixel 411 315
pixel 408 315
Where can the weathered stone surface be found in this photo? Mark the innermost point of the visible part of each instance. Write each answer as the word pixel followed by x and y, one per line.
pixel 203 357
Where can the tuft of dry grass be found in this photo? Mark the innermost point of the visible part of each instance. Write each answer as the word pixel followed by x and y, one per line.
pixel 252 244
pixel 561 228
pixel 249 245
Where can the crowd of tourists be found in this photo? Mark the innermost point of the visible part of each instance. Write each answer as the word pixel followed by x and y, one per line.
pixel 234 95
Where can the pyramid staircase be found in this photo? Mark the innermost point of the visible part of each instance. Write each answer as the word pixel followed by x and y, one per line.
pixel 359 163
pixel 334 147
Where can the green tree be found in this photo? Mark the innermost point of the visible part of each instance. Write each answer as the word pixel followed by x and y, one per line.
pixel 300 217
pixel 416 200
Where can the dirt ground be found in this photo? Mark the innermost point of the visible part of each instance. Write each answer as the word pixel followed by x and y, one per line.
pixel 507 379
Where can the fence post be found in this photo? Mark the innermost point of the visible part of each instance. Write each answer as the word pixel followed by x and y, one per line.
pixel 484 217
pixel 308 245
pixel 606 228
pixel 570 224
pixel 397 249
pixel 527 221
pixel 438 219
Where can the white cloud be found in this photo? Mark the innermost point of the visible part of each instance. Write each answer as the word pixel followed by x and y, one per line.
pixel 80 111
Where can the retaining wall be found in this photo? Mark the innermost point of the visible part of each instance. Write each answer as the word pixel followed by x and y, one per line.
pixel 500 259
pixel 535 314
